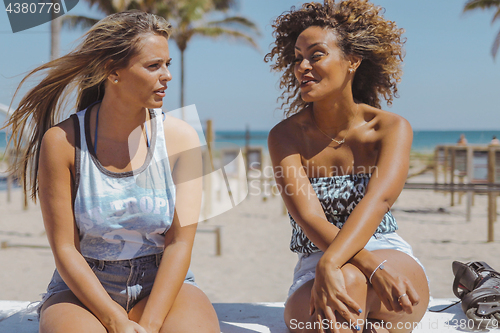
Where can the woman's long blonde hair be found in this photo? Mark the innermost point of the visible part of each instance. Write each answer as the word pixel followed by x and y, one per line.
pixel 106 47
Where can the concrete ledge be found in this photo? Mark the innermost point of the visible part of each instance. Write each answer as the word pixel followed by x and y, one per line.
pixel 15 318
pixel 252 317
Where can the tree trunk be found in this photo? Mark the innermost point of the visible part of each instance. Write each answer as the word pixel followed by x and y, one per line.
pixel 55 36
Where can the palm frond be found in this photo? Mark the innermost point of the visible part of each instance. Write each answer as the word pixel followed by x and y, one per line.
pixel 161 8
pixel 120 5
pixel 487 4
pixel 495 46
pixel 482 4
pixel 496 16
pixel 192 10
pixel 216 32
pixel 76 21
pixel 236 21
pixel 224 5
pixel 106 6
pixel 188 18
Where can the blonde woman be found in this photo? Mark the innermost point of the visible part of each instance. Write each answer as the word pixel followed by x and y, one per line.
pixel 120 197
pixel 341 162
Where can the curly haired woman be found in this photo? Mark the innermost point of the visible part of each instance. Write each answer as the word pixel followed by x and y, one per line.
pixel 342 162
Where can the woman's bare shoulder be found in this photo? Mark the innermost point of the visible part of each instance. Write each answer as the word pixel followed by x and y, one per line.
pixel 58 143
pixel 179 134
pixel 62 134
pixel 288 131
pixel 385 121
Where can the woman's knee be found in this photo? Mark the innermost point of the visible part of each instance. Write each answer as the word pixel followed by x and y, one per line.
pixel 354 279
pixel 192 311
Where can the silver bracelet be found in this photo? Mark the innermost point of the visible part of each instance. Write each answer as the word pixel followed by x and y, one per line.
pixel 381 266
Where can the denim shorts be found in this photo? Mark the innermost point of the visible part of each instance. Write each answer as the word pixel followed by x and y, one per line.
pixel 126 281
pixel 305 270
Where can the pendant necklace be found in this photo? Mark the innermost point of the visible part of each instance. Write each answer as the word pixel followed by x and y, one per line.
pixel 339 142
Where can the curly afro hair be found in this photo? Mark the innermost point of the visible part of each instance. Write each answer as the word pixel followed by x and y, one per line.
pixel 361 31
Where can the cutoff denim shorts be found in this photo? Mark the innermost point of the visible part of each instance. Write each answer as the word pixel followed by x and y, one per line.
pixel 126 281
pixel 305 270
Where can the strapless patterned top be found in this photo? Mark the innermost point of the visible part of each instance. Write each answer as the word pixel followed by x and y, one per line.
pixel 338 196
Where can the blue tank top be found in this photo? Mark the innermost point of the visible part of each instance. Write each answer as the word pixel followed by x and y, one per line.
pixel 122 215
pixel 338 196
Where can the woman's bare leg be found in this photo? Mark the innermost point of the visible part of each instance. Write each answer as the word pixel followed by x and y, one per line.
pixel 297 307
pixel 64 313
pixel 297 316
pixel 191 312
pixel 413 271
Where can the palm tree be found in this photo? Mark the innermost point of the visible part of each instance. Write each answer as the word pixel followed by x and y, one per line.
pixel 487 4
pixel 186 17
pixel 55 37
pixel 108 7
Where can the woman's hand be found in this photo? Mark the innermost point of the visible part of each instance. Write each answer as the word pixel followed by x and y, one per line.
pixel 394 290
pixel 329 294
pixel 127 326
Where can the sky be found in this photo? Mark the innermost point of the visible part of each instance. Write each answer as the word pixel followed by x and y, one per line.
pixel 450 81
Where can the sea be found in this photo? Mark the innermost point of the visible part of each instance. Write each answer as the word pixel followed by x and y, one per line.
pixel 423 141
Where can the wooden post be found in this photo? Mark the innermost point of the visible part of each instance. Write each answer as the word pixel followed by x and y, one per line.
pixel 265 179
pixel 25 203
pixel 470 176
pixel 436 164
pixel 460 194
pixel 496 151
pixel 207 186
pixel 491 196
pixel 445 164
pixel 218 243
pixel 210 141
pixel 452 176
pixel 216 229
pixel 247 146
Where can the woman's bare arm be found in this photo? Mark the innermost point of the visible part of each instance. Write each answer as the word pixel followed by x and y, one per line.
pixel 303 205
pixel 179 239
pixel 55 184
pixel 382 191
pixel 301 199
pixel 385 185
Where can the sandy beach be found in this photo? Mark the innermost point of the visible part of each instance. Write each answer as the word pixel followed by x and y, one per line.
pixel 256 264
